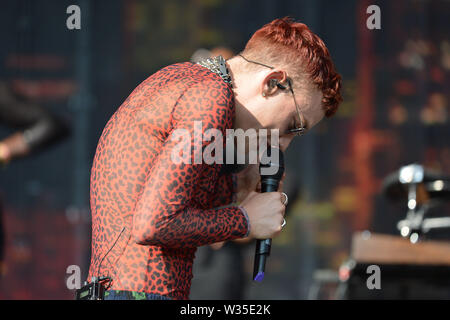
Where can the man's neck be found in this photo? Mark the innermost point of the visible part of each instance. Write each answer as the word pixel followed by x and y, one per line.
pixel 234 69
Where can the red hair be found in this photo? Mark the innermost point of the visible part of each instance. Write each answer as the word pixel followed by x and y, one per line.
pixel 294 45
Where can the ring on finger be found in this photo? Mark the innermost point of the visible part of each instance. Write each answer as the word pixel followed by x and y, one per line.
pixel 286 199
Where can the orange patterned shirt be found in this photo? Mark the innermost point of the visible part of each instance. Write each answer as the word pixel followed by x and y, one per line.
pixel 148 213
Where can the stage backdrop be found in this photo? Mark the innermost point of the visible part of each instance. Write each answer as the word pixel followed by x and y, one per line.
pixel 395 112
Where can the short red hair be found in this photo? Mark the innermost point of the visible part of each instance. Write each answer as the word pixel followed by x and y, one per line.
pixel 295 46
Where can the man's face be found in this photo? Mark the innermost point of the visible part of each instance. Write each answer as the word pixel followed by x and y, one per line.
pixel 278 111
pixel 263 105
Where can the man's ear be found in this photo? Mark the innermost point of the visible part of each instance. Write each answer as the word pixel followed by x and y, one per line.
pixel 269 85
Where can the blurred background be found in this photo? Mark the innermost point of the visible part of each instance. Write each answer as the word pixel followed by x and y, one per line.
pixel 395 112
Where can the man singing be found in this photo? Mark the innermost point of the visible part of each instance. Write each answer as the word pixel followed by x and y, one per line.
pixel 149 212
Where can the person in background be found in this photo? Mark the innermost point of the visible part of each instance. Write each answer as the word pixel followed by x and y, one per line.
pixel 36 129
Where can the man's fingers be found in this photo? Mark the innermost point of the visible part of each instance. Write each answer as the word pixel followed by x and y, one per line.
pixel 217 245
pixel 284 198
pixel 280 186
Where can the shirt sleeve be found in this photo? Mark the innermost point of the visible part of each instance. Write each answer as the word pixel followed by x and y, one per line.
pixel 40 127
pixel 165 214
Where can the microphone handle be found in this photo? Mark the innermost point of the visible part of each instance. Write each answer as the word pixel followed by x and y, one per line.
pixel 263 246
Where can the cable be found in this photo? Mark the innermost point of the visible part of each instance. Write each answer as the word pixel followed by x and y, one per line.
pixel 98 270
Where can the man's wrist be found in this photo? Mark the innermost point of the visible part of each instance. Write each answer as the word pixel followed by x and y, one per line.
pixel 244 211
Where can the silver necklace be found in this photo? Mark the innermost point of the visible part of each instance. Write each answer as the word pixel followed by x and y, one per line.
pixel 218 66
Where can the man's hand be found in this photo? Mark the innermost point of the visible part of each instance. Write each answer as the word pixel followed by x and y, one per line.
pixel 248 181
pixel 12 147
pixel 265 212
pixel 217 245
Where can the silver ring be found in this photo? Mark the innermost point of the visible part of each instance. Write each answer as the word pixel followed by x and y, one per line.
pixel 284 223
pixel 285 201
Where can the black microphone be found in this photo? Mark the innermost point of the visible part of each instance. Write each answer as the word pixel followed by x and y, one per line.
pixel 271 169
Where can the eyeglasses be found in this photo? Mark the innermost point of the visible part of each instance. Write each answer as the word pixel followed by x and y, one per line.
pixel 298 131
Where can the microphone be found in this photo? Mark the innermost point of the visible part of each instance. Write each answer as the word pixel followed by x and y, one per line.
pixel 271 169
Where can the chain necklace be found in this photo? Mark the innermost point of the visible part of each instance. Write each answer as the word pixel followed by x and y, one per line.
pixel 218 66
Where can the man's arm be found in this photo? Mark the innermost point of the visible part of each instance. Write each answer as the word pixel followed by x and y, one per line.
pixel 164 213
pixel 38 127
